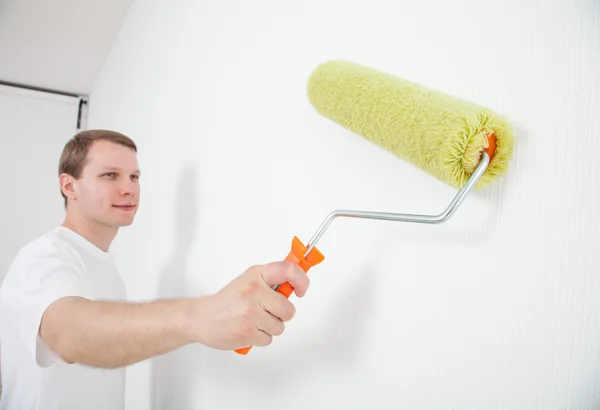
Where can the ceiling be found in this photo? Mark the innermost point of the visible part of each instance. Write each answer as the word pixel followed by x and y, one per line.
pixel 58 44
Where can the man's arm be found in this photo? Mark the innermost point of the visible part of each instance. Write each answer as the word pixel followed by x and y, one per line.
pixel 109 334
pixel 112 334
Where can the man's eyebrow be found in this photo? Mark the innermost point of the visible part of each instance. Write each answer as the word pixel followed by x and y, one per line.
pixel 137 171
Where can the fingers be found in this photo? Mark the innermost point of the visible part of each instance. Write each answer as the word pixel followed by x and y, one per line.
pixel 264 327
pixel 269 324
pixel 276 273
pixel 261 339
pixel 279 306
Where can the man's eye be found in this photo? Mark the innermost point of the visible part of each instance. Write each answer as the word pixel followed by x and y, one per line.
pixel 110 174
pixel 135 177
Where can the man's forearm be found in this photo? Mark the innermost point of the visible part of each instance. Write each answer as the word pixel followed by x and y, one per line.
pixel 110 335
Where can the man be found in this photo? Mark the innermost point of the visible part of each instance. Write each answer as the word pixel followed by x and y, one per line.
pixel 69 333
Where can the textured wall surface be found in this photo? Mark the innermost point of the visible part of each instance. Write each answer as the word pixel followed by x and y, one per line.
pixel 497 309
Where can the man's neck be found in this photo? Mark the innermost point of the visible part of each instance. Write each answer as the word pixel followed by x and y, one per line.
pixel 100 236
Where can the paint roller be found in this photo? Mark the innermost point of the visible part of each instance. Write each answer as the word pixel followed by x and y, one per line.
pixel 460 143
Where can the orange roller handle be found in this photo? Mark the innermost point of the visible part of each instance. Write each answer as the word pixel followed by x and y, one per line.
pixel 296 256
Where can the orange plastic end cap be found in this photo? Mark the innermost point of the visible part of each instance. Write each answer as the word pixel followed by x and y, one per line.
pixel 491 149
pixel 297 252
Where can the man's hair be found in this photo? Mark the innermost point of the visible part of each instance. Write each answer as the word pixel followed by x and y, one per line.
pixel 74 155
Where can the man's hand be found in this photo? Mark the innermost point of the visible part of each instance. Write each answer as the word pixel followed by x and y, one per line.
pixel 247 311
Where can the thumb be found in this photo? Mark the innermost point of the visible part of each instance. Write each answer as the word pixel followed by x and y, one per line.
pixel 276 273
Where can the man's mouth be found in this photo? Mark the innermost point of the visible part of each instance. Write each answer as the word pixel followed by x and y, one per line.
pixel 125 207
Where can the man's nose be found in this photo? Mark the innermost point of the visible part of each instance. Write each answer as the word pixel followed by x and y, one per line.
pixel 128 188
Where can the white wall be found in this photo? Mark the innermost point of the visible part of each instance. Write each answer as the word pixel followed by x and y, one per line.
pixel 497 309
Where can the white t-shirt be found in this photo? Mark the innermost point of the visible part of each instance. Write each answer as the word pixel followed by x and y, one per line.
pixel 57 264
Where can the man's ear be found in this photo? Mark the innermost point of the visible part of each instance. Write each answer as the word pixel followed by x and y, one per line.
pixel 67 186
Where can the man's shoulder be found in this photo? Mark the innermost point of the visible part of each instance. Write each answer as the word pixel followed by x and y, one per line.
pixel 49 243
pixel 49 248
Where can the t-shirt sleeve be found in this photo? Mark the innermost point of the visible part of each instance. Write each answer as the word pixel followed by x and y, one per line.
pixel 37 278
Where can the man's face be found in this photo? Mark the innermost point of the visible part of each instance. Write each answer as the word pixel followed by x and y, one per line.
pixel 108 190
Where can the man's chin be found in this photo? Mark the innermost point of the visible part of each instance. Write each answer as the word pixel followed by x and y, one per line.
pixel 127 222
pixel 121 223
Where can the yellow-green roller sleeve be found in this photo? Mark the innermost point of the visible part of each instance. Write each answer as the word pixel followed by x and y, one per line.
pixel 438 133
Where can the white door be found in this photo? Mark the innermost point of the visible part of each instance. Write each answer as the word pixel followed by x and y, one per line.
pixel 34 126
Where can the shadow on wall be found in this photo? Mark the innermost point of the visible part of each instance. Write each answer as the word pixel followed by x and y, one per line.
pixel 336 341
pixel 171 378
